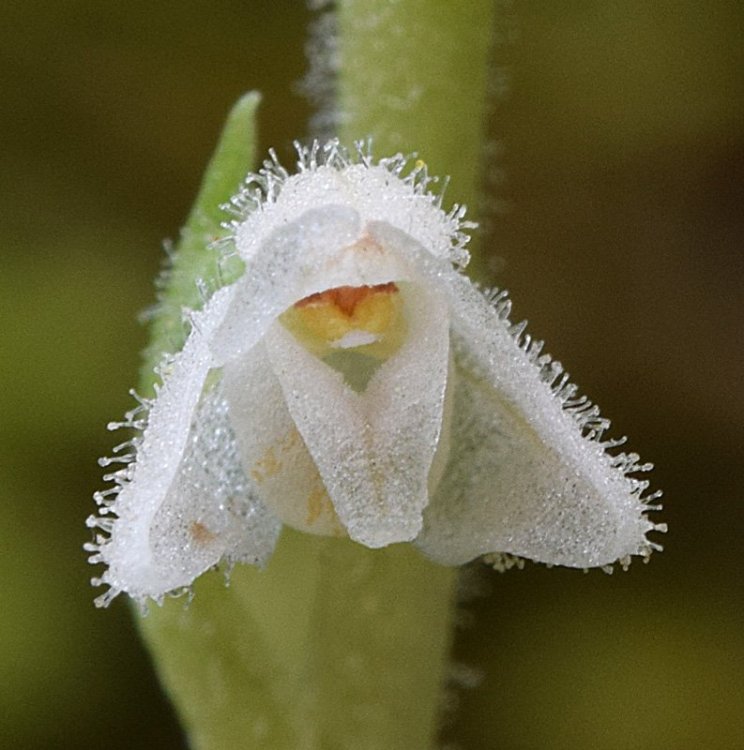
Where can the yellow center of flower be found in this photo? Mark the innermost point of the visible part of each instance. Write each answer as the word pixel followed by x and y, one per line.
pixel 367 320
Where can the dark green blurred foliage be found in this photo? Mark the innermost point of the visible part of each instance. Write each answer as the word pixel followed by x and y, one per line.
pixel 620 141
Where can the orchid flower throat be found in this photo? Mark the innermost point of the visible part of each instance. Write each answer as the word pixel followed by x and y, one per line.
pixel 353 329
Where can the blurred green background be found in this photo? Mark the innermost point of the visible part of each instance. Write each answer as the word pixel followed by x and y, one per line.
pixel 616 226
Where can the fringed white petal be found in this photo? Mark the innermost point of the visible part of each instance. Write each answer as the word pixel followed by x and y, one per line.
pixel 374 449
pixel 185 504
pixel 394 190
pixel 528 473
pixel 212 511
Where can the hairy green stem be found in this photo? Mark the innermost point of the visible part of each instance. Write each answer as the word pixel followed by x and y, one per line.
pixel 413 76
pixel 332 646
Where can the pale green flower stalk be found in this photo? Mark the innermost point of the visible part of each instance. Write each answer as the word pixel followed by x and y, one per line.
pixel 332 645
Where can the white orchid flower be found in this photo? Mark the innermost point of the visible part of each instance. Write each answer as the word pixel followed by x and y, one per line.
pixel 353 382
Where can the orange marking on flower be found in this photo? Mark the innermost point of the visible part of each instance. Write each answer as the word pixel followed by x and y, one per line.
pixel 319 505
pixel 346 298
pixel 201 534
pixel 317 502
pixel 266 467
pixel 291 440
